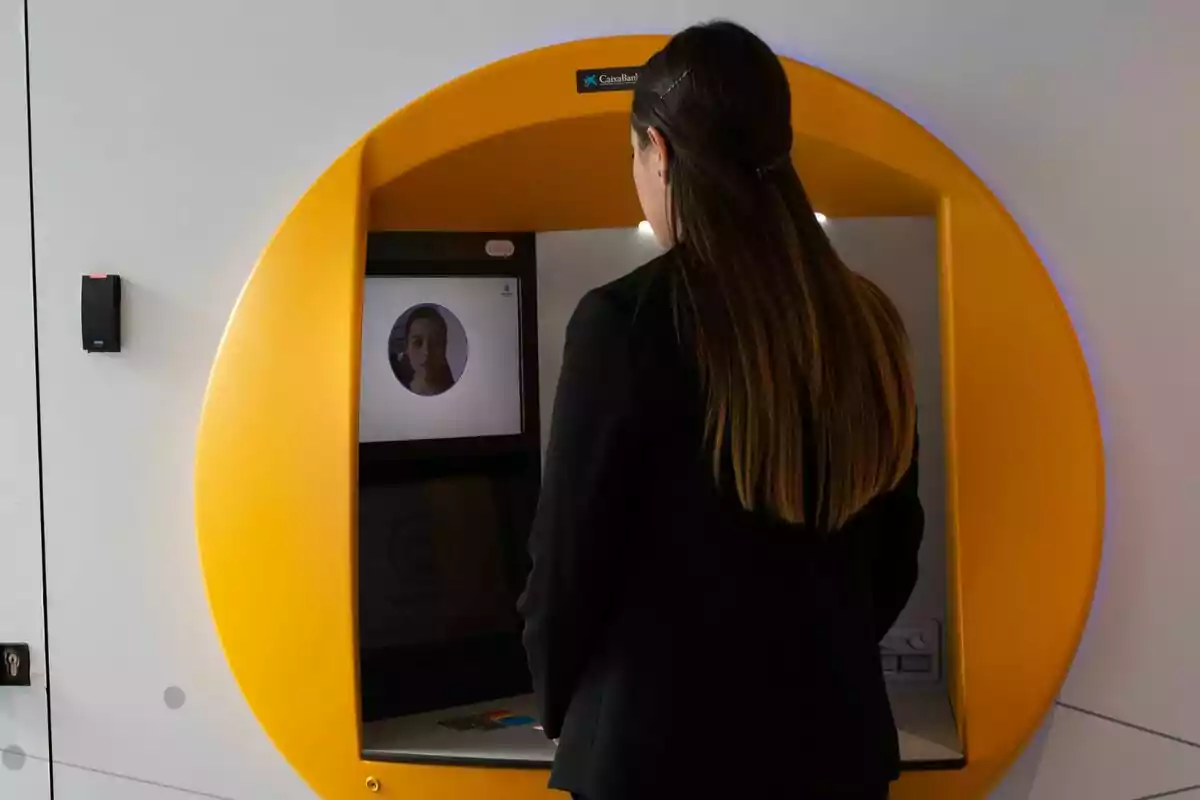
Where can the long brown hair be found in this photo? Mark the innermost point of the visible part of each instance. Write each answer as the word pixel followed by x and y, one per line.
pixel 805 365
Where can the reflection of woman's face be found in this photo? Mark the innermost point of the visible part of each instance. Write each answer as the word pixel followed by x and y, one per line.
pixel 426 346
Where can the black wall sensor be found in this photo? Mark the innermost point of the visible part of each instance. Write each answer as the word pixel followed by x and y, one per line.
pixel 102 313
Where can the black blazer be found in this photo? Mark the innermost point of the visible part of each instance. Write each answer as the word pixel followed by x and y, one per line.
pixel 678 643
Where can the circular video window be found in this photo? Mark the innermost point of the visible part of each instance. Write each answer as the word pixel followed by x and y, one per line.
pixel 428 349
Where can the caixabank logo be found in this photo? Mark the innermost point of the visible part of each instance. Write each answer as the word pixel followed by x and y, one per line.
pixel 607 79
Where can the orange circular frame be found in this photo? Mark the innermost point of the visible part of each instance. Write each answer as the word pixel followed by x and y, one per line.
pixel 276 456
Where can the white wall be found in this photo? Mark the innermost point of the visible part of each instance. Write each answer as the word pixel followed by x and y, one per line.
pixel 24 769
pixel 170 139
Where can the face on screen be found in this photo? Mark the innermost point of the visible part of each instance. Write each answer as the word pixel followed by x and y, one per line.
pixel 441 358
pixel 426 343
pixel 418 349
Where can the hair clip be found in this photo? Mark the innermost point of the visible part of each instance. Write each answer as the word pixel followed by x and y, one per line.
pixel 675 83
pixel 773 165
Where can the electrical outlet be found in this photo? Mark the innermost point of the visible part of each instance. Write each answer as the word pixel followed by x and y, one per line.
pixel 911 652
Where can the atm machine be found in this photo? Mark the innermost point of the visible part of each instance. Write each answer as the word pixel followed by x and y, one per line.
pixel 448 482
pixel 388 662
pixel 449 465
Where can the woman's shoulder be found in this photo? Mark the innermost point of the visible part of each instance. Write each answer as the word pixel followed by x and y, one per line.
pixel 634 315
pixel 644 291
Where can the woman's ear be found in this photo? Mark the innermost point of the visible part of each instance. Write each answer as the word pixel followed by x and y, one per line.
pixel 658 153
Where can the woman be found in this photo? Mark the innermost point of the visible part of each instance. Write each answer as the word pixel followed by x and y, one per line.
pixel 729 520
pixel 423 368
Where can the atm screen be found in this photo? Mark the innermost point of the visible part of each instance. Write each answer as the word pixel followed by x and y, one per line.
pixel 441 564
pixel 436 562
pixel 441 358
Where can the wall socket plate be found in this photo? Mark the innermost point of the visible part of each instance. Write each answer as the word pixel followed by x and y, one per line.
pixel 911 652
